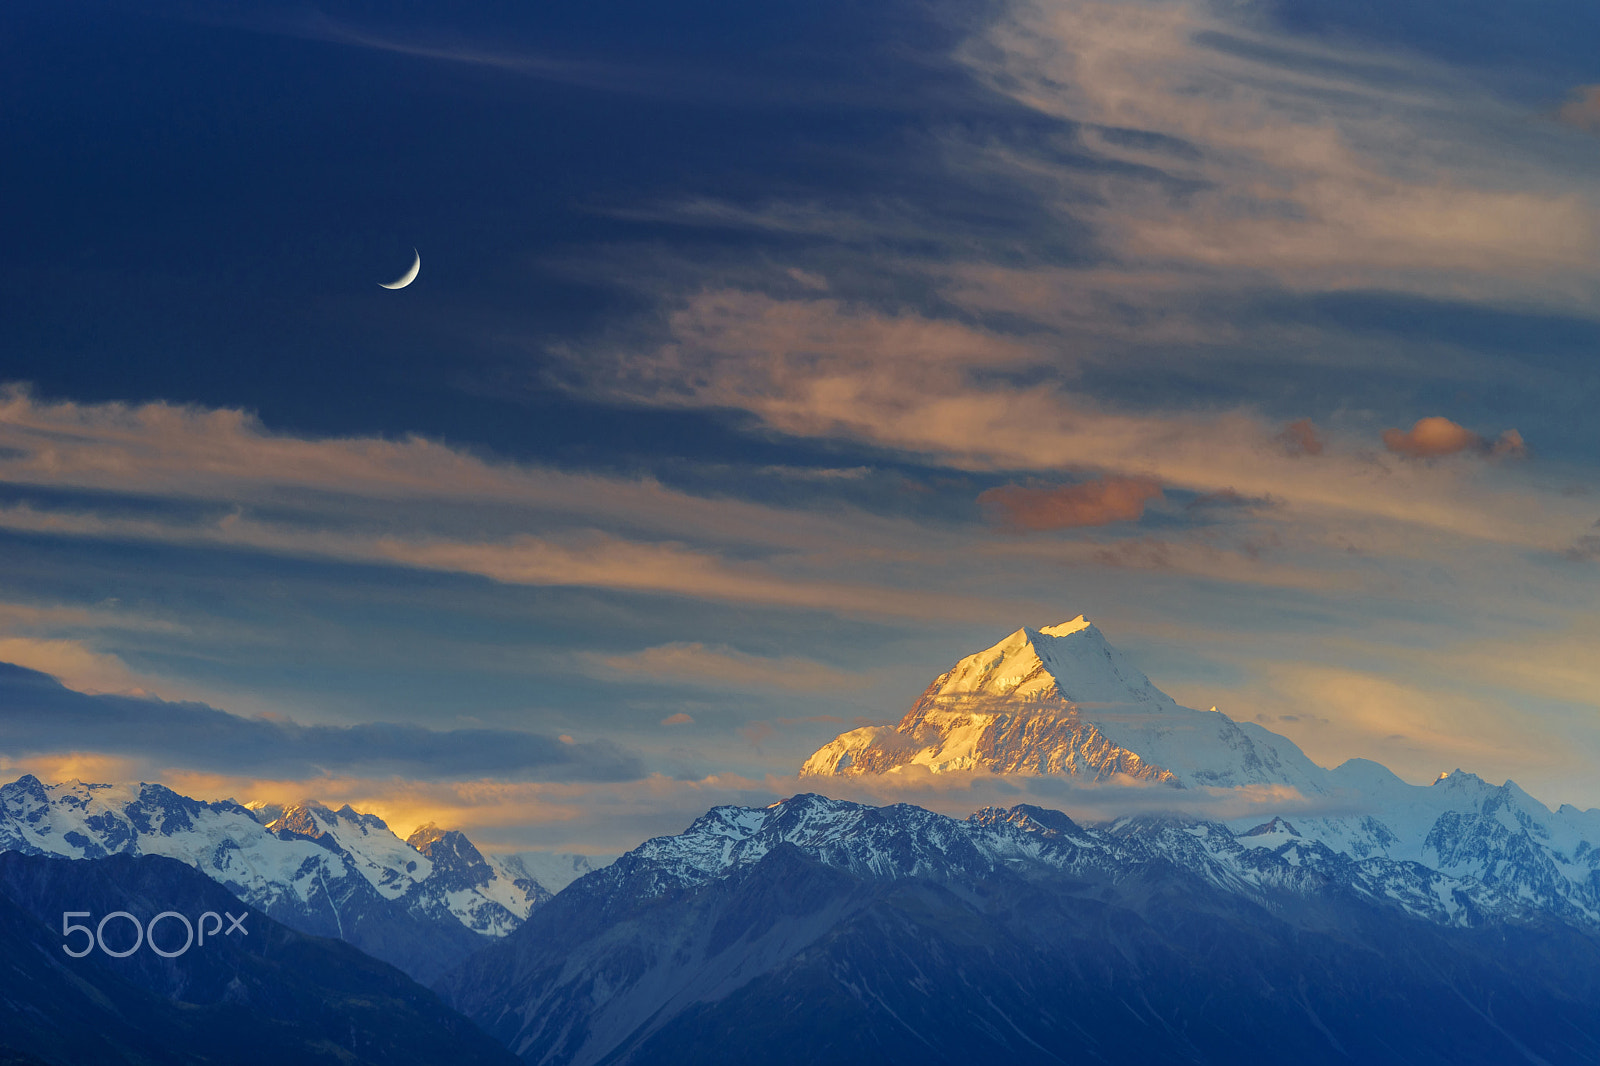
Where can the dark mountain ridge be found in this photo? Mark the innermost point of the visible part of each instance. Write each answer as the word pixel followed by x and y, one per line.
pixel 818 931
pixel 267 996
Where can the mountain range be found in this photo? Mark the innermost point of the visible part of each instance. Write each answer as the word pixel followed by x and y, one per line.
pixel 422 904
pixel 1062 701
pixel 820 931
pixel 1352 918
pixel 1367 921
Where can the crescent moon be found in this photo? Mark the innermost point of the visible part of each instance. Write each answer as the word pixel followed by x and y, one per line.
pixel 408 277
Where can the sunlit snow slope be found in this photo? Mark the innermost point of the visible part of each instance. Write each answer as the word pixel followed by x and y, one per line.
pixel 1063 701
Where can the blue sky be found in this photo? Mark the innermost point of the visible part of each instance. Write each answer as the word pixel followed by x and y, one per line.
pixel 766 359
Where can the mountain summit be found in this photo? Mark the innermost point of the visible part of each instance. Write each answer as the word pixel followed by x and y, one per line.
pixel 1062 700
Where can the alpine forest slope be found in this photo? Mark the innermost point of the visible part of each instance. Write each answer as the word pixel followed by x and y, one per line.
pixel 820 931
pixel 1063 701
pixel 422 905
pixel 267 997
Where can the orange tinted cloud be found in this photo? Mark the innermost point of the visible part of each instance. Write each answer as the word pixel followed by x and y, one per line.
pixel 1300 438
pixel 1431 437
pixel 74 663
pixel 1582 109
pixel 756 732
pixel 729 667
pixel 1510 444
pixel 1099 502
pixel 1436 436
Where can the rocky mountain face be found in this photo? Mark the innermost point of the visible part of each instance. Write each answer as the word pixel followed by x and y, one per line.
pixel 262 997
pixel 1063 701
pixel 821 931
pixel 329 873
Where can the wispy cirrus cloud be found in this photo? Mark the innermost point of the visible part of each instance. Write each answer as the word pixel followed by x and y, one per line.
pixel 1582 108
pixel 1306 163
pixel 40 715
pixel 723 549
pixel 1095 502
pixel 725 667
pixel 441 45
pixel 591 558
pixel 951 392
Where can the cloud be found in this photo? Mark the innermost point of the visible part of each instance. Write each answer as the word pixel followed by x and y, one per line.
pixel 371 500
pixel 1510 445
pixel 39 715
pixel 1582 109
pixel 1431 437
pixel 76 664
pixel 1584 548
pixel 1555 661
pixel 618 817
pixel 1301 438
pixel 1434 437
pixel 1096 502
pixel 1248 152
pixel 678 719
pixel 590 558
pixel 814 282
pixel 757 732
pixel 1410 725
pixel 314 25
pixel 954 394
pixel 49 639
pixel 223 455
pixel 1255 562
pixel 1229 499
pixel 725 667
pixel 605 561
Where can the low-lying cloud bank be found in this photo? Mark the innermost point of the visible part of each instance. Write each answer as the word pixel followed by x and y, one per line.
pixel 38 715
pixel 961 792
pixel 616 817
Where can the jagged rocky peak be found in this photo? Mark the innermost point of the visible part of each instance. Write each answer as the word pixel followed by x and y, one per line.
pixel 27 785
pixel 455 858
pixel 1029 818
pixel 300 820
pixel 368 821
pixel 1062 701
pixel 1276 827
pixel 314 821
pixel 264 812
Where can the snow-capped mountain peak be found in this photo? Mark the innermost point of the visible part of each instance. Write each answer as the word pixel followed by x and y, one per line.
pixel 388 863
pixel 328 872
pixel 1071 660
pixel 451 855
pixel 1062 700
